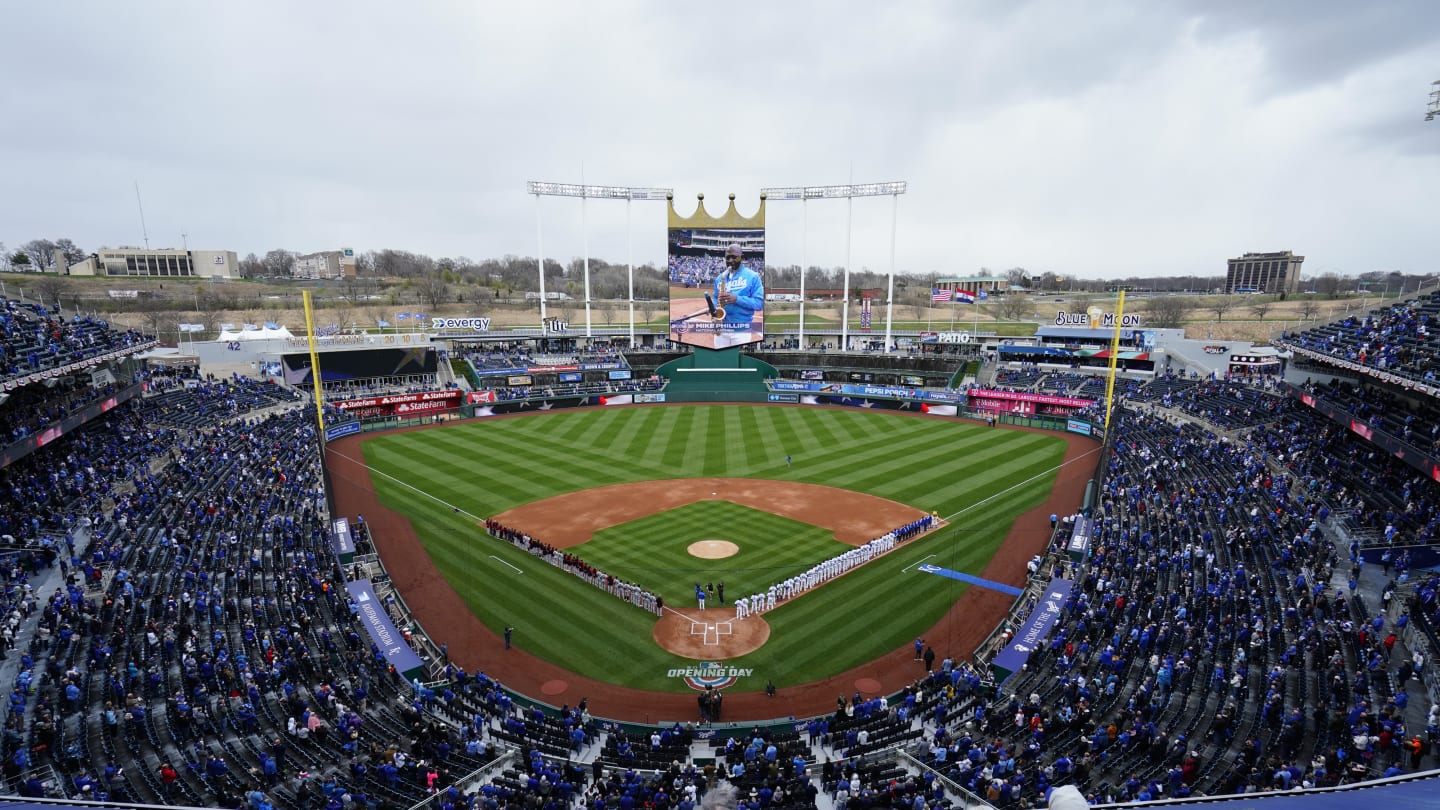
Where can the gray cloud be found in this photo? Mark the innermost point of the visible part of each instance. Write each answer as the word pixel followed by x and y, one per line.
pixel 1115 139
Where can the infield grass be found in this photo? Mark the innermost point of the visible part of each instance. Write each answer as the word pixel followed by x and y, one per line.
pixel 980 477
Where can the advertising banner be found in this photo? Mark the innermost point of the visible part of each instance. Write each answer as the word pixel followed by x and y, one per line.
pixel 1033 632
pixel 641 398
pixel 717 287
pixel 1077 426
pixel 1038 399
pixel 945 337
pixel 382 631
pixel 341 540
pixel 1080 535
pixel 867 390
pixel 452 397
pixel 333 432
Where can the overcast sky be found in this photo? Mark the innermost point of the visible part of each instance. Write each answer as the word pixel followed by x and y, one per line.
pixel 1087 139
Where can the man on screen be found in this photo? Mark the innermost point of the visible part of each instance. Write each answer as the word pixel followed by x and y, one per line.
pixel 741 293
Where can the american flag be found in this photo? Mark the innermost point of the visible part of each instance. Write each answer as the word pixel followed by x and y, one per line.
pixel 937 294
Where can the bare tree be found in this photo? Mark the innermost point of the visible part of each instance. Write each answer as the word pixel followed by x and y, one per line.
pixel 432 290
pixel 73 254
pixel 1220 305
pixel 650 310
pixel 1167 311
pixel 1308 309
pixel 251 266
pixel 1261 309
pixel 278 262
pixel 1328 284
pixel 41 253
pixel 49 289
pixel 154 316
pixel 1016 277
pixel 1012 307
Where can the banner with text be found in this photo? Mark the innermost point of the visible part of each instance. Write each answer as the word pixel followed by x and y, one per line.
pixel 382 631
pixel 1033 633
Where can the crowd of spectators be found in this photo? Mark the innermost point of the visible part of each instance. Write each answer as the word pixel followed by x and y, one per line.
pixel 693 271
pixel 1400 338
pixel 177 631
pixel 34 338
pixel 1204 648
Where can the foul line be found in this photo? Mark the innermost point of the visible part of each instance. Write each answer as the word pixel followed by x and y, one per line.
pixel 502 562
pixel 410 487
pixel 1056 468
pixel 917 562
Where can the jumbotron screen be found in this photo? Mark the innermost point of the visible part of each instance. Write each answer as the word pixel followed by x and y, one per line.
pixel 717 286
pixel 359 364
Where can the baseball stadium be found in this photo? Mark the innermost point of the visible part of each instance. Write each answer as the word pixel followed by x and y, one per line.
pixel 816 562
pixel 742 551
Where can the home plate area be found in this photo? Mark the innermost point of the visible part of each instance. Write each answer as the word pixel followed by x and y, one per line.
pixel 708 635
pixel 711 633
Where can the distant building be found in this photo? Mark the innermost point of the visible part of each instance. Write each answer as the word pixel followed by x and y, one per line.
pixel 163 263
pixel 325 264
pixel 974 284
pixel 1264 273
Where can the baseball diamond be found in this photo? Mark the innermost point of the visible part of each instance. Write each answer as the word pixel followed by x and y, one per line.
pixel 426 492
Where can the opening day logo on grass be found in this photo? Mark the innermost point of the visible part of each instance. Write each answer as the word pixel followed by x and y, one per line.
pixel 712 674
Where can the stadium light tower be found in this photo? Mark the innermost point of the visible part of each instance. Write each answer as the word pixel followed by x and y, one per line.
pixel 585 192
pixel 848 193
pixel 1434 102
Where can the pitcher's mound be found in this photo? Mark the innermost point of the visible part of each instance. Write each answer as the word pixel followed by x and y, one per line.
pixel 712 549
pixel 710 635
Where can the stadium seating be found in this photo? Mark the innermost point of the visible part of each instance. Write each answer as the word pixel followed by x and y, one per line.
pixel 177 631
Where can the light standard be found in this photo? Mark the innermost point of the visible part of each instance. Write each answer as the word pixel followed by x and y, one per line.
pixel 848 193
pixel 585 192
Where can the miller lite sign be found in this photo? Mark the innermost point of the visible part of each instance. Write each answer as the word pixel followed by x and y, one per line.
pixel 556 325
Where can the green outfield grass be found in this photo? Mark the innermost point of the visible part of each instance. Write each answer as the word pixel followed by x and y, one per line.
pixel 981 475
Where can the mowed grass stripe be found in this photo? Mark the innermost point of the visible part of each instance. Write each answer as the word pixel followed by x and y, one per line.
pixel 485 466
pixel 677 450
pixel 896 454
pixel 738 452
pixel 636 427
pixel 929 475
pixel 509 470
pixel 798 420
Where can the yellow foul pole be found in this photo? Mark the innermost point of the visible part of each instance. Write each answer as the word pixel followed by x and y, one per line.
pixel 314 360
pixel 1114 356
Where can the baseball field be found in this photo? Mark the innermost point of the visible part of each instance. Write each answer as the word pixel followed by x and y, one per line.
pixel 632 490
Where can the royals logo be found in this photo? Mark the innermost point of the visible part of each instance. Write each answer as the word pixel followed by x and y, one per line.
pixel 709 674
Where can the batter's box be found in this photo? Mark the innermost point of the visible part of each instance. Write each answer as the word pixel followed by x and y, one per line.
pixel 711 632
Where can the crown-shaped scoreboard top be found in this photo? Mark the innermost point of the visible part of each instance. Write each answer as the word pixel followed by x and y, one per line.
pixel 702 219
